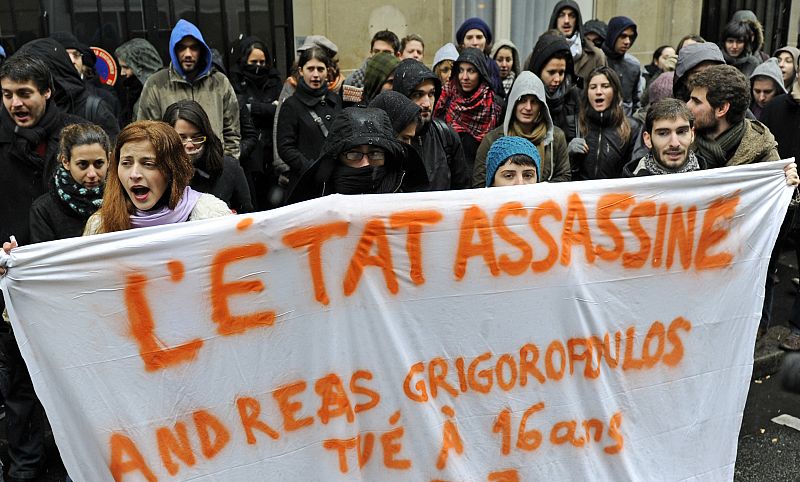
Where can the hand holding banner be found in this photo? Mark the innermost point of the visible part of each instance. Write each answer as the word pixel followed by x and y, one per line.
pixel 591 330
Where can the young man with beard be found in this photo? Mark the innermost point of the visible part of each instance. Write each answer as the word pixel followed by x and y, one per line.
pixel 668 134
pixel 566 18
pixel 718 98
pixel 191 76
pixel 138 60
pixel 30 124
pixel 437 142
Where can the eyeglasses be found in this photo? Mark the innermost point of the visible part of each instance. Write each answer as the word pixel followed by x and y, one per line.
pixel 371 155
pixel 196 140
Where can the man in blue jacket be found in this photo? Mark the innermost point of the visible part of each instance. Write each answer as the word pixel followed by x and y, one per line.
pixel 190 75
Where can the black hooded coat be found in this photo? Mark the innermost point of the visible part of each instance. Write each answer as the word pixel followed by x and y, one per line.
pixel 257 88
pixel 625 65
pixel 439 145
pixel 69 92
pixel 565 102
pixel 403 170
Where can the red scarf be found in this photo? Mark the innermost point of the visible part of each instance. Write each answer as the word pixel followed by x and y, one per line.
pixel 475 115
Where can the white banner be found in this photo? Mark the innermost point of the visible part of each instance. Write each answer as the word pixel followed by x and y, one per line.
pixel 584 331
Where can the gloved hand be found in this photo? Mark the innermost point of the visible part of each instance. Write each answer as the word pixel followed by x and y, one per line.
pixel 578 146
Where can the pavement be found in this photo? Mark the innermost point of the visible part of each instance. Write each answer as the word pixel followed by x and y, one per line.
pixel 767 357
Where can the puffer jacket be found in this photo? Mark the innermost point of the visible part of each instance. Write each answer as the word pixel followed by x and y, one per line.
pixel 438 144
pixel 356 126
pixel 211 89
pixel 608 153
pixel 555 162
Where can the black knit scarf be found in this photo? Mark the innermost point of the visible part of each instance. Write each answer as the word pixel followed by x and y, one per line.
pixel 26 140
pixel 359 180
pixel 308 96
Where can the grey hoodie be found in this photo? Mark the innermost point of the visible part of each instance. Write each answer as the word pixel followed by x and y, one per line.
pixel 555 161
pixel 528 84
pixel 689 57
pixel 769 68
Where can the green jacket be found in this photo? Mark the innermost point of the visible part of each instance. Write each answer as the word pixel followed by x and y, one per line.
pixel 213 91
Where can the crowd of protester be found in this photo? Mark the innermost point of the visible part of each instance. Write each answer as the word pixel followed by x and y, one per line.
pixel 189 141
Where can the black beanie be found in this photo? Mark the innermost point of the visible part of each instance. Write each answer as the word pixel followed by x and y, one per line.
pixel 402 110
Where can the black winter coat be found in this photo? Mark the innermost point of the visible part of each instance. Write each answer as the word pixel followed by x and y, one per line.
pixel 230 186
pixel 608 153
pixel 782 117
pixel 439 145
pixel 354 126
pixel 24 175
pixel 52 219
pixel 299 138
pixel 257 88
pixel 443 157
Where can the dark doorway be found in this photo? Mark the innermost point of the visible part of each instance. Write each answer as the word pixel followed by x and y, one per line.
pixel 108 23
pixel 773 15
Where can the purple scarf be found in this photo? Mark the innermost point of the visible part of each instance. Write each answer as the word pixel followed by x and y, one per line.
pixel 165 215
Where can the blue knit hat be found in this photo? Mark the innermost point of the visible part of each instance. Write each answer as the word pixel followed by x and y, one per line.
pixel 505 147
pixel 472 23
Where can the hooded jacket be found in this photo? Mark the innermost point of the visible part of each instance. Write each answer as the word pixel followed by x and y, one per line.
pixel 515 67
pixel 795 53
pixel 749 59
pixel 758 31
pixel 782 117
pixel 626 66
pixel 210 88
pixel 257 89
pixel 690 57
pixel 769 69
pixel 144 61
pixel 564 103
pixel 555 162
pixel 402 171
pixel 70 93
pixel 591 57
pixel 438 144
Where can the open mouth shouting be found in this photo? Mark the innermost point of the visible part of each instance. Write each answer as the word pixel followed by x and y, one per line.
pixel 140 195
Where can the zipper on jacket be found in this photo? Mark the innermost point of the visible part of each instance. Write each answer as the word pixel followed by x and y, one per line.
pixel 599 140
pixel 402 176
